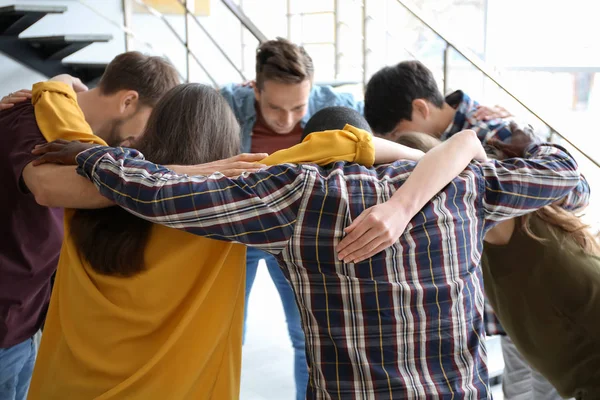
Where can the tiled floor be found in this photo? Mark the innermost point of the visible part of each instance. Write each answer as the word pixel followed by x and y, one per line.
pixel 267 371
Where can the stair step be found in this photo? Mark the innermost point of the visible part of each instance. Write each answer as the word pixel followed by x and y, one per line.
pixel 59 47
pixel 14 19
pixel 89 73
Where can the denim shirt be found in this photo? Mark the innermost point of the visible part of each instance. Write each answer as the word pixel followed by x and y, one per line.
pixel 241 99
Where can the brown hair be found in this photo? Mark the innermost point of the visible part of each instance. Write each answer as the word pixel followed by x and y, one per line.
pixel 419 141
pixel 192 124
pixel 151 77
pixel 282 61
pixel 562 224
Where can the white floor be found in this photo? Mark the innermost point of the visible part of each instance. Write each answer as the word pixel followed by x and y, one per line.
pixel 267 368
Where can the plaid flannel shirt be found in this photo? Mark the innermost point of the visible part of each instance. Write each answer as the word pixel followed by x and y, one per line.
pixel 466 107
pixel 404 324
pixel 486 130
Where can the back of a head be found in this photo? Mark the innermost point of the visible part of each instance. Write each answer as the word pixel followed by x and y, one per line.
pixel 392 90
pixel 191 124
pixel 334 118
pixel 151 77
pixel 282 61
pixel 419 141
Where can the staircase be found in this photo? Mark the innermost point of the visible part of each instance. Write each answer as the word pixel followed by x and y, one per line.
pixel 46 54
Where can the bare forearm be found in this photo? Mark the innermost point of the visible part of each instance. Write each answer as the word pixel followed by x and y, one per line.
pixel 437 169
pixel 61 186
pixel 387 151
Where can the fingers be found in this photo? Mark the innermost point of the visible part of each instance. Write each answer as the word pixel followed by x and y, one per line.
pixel 481 112
pixel 49 147
pixel 78 86
pixel 360 244
pixel 23 93
pixel 353 232
pixel 354 224
pixel 14 98
pixel 250 157
pixel 369 251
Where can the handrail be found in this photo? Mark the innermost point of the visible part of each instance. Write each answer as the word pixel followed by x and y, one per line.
pixel 209 36
pixel 154 12
pixel 157 14
pixel 480 65
pixel 125 30
pixel 247 22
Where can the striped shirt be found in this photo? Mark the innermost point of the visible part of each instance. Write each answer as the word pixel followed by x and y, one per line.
pixel 404 324
pixel 496 129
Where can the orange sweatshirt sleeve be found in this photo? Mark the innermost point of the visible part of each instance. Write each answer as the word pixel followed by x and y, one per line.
pixel 350 144
pixel 58 115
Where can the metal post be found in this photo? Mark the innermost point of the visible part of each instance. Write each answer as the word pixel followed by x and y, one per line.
pixel 446 66
pixel 242 42
pixel 365 48
pixel 187 41
pixel 289 20
pixel 127 20
pixel 336 37
pixel 485 27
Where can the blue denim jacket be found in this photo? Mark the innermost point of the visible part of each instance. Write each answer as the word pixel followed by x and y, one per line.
pixel 241 99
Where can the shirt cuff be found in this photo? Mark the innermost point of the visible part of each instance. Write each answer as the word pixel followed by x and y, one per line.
pixel 365 151
pixel 87 160
pixel 50 86
pixel 543 148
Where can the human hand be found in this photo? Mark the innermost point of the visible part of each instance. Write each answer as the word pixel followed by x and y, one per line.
pixel 59 152
pixel 247 84
pixel 231 167
pixel 521 139
pixel 485 113
pixel 11 99
pixel 376 229
pixel 75 83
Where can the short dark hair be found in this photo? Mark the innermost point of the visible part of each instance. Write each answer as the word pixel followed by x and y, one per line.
pixel 335 118
pixel 151 77
pixel 282 61
pixel 392 90
pixel 192 124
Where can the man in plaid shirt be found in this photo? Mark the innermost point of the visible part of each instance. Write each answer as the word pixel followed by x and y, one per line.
pixel 404 324
pixel 405 98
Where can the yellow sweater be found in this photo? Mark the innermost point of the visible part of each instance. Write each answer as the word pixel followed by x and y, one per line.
pixel 173 331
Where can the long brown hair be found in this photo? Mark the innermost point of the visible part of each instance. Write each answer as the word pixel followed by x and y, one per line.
pixel 562 224
pixel 191 124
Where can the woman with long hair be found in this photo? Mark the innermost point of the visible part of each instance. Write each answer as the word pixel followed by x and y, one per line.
pixel 541 274
pixel 140 310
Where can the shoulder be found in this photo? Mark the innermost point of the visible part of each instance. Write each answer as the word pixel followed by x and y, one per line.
pixel 19 122
pixel 325 96
pixel 328 97
pixel 240 98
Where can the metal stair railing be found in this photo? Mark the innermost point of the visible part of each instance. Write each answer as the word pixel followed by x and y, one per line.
pixel 188 15
pixel 478 64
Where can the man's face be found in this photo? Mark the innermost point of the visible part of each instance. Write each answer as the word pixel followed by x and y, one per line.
pixel 125 130
pixel 283 105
